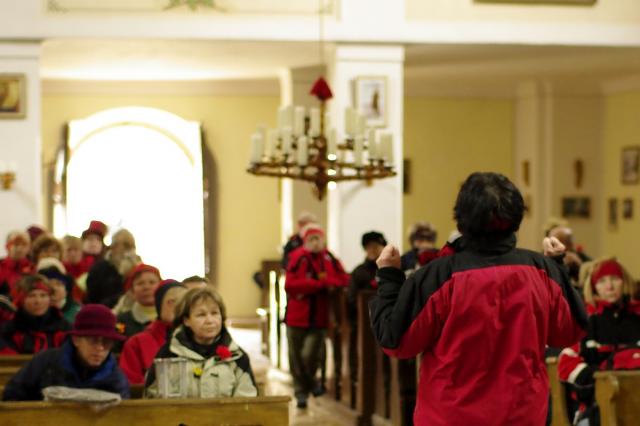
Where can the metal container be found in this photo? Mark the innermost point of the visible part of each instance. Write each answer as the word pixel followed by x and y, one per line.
pixel 172 377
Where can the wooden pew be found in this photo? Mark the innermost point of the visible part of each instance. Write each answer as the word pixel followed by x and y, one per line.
pixel 618 396
pixel 6 373
pixel 15 361
pixel 559 415
pixel 267 411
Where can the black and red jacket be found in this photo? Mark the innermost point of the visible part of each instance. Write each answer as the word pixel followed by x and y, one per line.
pixel 481 319
pixel 612 343
pixel 309 278
pixel 26 334
pixel 10 272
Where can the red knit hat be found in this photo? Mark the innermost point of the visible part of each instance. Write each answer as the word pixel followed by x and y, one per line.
pixel 608 267
pixel 96 228
pixel 137 270
pixel 96 320
pixel 26 285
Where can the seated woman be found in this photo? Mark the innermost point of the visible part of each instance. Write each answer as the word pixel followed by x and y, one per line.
pixel 36 326
pixel 613 335
pixel 217 366
pixel 141 283
pixel 84 361
pixel 138 352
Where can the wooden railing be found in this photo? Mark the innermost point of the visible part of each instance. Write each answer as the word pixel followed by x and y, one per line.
pixel 267 411
pixel 618 396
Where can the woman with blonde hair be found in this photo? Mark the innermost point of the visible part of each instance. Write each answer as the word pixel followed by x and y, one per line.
pixel 613 334
pixel 216 365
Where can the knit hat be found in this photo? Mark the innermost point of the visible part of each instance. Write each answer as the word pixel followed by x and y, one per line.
pixel 51 262
pixel 373 237
pixel 162 289
pixel 311 229
pixel 96 228
pixel 35 231
pixel 54 273
pixel 137 270
pixel 26 285
pixel 608 267
pixel 96 320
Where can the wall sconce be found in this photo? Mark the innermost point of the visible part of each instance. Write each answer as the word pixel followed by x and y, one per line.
pixel 7 175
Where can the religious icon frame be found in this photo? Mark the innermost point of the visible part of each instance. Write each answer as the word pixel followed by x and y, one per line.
pixel 630 165
pixel 13 96
pixel 370 99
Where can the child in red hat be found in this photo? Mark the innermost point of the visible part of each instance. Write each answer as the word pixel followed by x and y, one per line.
pixel 37 325
pixel 84 361
pixel 613 334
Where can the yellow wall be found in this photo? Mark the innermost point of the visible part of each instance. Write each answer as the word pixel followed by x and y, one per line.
pixel 248 209
pixel 621 129
pixel 446 140
pixel 604 11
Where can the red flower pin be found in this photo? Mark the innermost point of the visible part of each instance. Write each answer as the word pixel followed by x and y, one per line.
pixel 223 352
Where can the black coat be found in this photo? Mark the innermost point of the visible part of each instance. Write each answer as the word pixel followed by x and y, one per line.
pixel 59 367
pixel 26 334
pixel 105 285
pixel 362 278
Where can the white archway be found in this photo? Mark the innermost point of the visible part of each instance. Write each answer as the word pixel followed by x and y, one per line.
pixel 141 169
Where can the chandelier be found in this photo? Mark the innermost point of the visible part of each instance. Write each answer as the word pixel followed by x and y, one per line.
pixel 306 147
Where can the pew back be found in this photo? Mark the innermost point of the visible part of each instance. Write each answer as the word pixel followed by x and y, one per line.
pixel 618 396
pixel 559 415
pixel 267 411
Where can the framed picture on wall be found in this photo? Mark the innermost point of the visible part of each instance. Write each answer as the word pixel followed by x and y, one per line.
pixel 370 99
pixel 613 213
pixel 13 97
pixel 630 164
pixel 576 207
pixel 627 208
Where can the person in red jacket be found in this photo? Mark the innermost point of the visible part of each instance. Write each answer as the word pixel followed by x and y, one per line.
pixel 37 325
pixel 311 274
pixel 17 262
pixel 613 335
pixel 481 317
pixel 138 352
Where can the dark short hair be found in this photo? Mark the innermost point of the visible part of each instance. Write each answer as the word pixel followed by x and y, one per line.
pixel 488 203
pixel 373 237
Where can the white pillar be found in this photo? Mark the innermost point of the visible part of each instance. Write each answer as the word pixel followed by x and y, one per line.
pixel 355 208
pixel 20 143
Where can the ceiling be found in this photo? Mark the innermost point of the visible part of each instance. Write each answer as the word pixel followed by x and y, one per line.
pixel 494 68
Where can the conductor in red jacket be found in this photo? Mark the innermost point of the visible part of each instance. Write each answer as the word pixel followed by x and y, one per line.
pixel 481 317
pixel 312 272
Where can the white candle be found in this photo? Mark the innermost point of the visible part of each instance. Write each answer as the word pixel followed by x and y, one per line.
pixel 332 144
pixel 373 144
pixel 358 149
pixel 257 148
pixel 272 142
pixel 303 151
pixel 285 117
pixel 314 125
pixel 361 124
pixel 298 121
pixel 386 142
pixel 349 121
pixel 327 122
pixel 285 136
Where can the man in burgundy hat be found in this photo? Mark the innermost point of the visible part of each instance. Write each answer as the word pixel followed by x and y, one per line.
pixel 84 361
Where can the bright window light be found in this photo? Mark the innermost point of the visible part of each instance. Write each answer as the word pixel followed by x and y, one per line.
pixel 137 174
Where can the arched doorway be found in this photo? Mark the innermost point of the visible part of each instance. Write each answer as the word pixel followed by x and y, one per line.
pixel 141 169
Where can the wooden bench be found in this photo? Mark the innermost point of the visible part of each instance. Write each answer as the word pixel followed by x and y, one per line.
pixel 267 411
pixel 559 415
pixel 15 361
pixel 618 396
pixel 6 373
